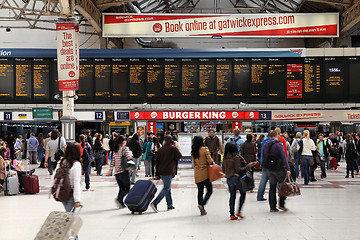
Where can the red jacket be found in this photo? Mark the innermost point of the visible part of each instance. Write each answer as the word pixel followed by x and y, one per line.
pixel 283 141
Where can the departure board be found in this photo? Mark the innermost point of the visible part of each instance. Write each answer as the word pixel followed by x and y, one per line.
pixel 334 69
pixel 172 77
pixel 137 71
pixel 189 78
pixel 6 79
pixel 294 80
pixel 259 68
pixel 41 76
pixel 120 76
pixel 207 80
pixel 223 77
pixel 102 78
pixel 275 78
pixel 354 77
pixel 241 78
pixel 86 79
pixel 23 78
pixel 312 78
pixel 155 78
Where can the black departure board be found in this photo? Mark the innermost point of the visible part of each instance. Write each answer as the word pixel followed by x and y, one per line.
pixel 172 77
pixel 137 71
pixel 207 78
pixel 120 76
pixel 155 78
pixel 354 77
pixel 223 77
pixel 259 68
pixel 6 79
pixel 190 78
pixel 334 74
pixel 23 78
pixel 102 78
pixel 41 78
pixel 86 79
pixel 241 78
pixel 312 78
pixel 275 78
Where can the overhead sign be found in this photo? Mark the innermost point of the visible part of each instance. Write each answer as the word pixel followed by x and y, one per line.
pixel 123 116
pixel 316 115
pixel 67 57
pixel 151 126
pixel 42 113
pixel 273 25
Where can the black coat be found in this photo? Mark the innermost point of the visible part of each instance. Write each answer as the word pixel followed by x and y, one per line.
pixel 135 147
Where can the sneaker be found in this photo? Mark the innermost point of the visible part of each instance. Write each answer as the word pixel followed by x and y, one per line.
pixel 283 209
pixel 263 199
pixel 347 176
pixel 154 207
pixel 202 210
pixel 274 210
pixel 171 208
pixel 240 216
pixel 233 218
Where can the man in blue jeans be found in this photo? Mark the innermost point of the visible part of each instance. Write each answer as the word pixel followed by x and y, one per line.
pixel 264 175
pixel 166 160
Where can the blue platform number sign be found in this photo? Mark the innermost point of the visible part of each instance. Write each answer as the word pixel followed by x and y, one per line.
pixel 124 116
pixel 99 115
pixel 8 116
pixel 264 115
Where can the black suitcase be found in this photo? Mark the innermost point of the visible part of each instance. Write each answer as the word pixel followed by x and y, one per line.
pixel 140 196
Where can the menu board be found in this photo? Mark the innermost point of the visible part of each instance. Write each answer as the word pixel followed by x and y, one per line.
pixel 137 71
pixel 155 78
pixel 312 78
pixel 334 70
pixel 294 80
pixel 241 78
pixel 354 75
pixel 102 78
pixel 190 78
pixel 259 68
pixel 86 79
pixel 275 78
pixel 23 78
pixel 41 76
pixel 223 77
pixel 120 76
pixel 6 78
pixel 207 80
pixel 172 77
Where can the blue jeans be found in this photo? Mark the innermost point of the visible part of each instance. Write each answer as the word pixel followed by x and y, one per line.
pixel 165 192
pixel 262 184
pixel 87 168
pixel 328 162
pixel 41 151
pixel 306 162
pixel 234 184
pixel 296 161
pixel 68 205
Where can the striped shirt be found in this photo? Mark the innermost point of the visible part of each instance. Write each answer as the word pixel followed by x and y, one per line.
pixel 116 159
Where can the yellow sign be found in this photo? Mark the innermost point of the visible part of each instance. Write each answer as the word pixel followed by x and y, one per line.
pixel 22 116
pixel 120 124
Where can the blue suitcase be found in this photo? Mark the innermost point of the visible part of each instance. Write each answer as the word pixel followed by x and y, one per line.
pixel 140 196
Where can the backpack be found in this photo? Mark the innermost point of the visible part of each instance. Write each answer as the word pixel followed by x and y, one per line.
pixel 270 161
pixel 61 189
pixel 235 141
pixel 88 155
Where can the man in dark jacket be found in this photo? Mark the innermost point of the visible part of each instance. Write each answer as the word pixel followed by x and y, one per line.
pixel 166 160
pixel 213 143
pixel 274 148
pixel 135 147
pixel 89 138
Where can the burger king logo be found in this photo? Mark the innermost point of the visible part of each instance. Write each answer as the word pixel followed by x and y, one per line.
pixel 137 115
pixel 153 115
pixel 251 115
pixel 234 115
pixel 157 27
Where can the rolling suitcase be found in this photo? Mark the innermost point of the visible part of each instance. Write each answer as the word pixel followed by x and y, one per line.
pixel 31 184
pixel 333 163
pixel 140 196
pixel 60 226
pixel 11 186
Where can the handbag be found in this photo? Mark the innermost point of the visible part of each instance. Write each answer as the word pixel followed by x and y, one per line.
pixel 317 158
pixel 289 188
pixel 59 153
pixel 247 182
pixel 215 172
pixel 126 165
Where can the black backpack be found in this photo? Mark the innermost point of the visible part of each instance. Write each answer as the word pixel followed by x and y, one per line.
pixel 270 161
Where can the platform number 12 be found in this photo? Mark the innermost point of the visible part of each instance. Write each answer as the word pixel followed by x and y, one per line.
pixel 99 115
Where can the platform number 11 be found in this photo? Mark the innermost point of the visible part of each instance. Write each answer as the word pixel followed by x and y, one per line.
pixel 7 115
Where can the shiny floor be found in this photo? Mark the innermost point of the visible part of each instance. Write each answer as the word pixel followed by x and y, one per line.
pixel 327 209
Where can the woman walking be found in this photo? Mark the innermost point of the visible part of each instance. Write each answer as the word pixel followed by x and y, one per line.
pixel 294 149
pixel 148 155
pixel 350 155
pixel 307 145
pixel 41 149
pixel 135 148
pixel 201 160
pixel 98 152
pixel 121 175
pixel 235 166
pixel 248 151
pixel 86 162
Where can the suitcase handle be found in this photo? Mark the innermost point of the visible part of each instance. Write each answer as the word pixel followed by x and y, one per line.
pixel 75 211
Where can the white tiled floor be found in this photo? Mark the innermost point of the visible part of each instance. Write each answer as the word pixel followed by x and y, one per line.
pixel 327 209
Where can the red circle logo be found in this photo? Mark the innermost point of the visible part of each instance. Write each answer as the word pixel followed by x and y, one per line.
pixel 71 74
pixel 157 27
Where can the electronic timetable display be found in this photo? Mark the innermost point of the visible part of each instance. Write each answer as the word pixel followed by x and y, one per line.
pixel 187 80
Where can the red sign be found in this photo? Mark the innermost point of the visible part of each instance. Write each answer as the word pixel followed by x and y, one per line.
pixel 236 124
pixel 294 67
pixel 294 89
pixel 194 115
pixel 306 125
pixel 151 126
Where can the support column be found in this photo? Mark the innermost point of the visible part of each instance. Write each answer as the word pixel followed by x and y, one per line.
pixel 68 120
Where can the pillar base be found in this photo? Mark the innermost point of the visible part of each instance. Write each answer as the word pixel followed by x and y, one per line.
pixel 68 128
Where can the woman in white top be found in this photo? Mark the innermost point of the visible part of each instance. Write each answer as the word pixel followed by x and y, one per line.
pixel 307 145
pixel 72 159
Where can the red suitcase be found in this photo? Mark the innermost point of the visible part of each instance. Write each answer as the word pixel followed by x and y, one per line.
pixel 31 184
pixel 333 163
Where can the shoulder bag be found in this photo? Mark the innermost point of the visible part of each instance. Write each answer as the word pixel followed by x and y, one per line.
pixel 59 153
pixel 215 172
pixel 247 182
pixel 126 165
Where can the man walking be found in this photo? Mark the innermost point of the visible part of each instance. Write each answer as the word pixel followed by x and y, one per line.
pixel 213 143
pixel 166 160
pixel 33 144
pixel 236 139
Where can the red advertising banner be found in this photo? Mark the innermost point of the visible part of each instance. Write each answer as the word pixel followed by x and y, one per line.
pixel 67 57
pixel 194 115
pixel 151 126
pixel 236 124
pixel 294 89
pixel 282 25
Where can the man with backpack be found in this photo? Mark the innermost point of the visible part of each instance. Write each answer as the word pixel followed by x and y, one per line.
pixel 236 139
